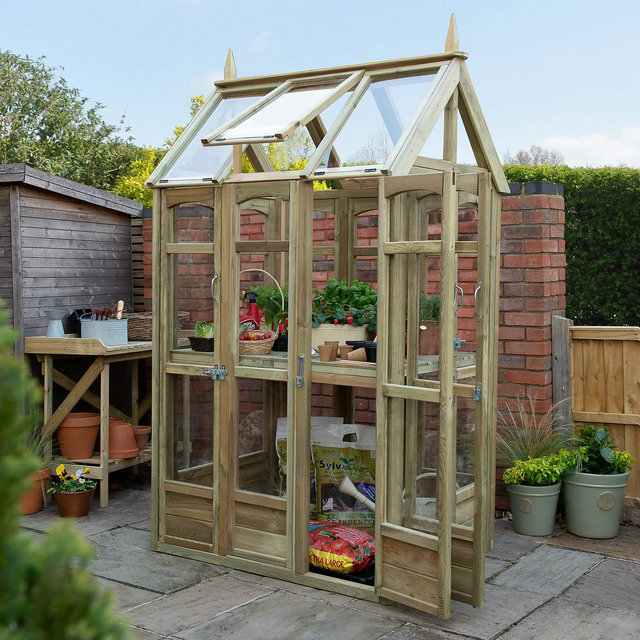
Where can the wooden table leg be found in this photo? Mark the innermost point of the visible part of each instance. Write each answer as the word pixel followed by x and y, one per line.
pixel 104 435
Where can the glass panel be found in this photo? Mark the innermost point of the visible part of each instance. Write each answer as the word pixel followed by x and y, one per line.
pixel 196 161
pixel 366 263
pixel 378 121
pixel 465 449
pixel 192 274
pixel 273 120
pixel 262 410
pixel 190 430
pixel 324 234
pixel 193 223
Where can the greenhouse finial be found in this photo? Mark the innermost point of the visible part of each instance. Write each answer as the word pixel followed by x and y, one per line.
pixel 451 43
pixel 230 72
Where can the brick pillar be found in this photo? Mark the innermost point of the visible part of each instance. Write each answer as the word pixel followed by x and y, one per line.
pixel 532 289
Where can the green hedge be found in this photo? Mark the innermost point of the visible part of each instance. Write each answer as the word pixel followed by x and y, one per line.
pixel 602 236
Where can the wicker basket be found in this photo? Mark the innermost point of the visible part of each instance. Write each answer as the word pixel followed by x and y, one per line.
pixel 139 325
pixel 257 347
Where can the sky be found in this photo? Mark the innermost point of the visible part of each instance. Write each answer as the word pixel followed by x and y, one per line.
pixel 561 74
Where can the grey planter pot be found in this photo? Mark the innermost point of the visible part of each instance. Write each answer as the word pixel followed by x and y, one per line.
pixel 593 503
pixel 533 508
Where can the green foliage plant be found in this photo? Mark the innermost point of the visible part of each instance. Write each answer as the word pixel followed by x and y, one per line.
pixel 275 308
pixel 523 432
pixel 340 300
pixel 48 125
pixel 204 329
pixel 598 454
pixel 542 471
pixel 429 308
pixel 46 589
pixel 602 221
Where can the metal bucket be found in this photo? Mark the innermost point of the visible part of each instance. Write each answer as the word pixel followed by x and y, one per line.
pixel 109 332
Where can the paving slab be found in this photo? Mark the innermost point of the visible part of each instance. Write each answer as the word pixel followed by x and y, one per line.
pixel 484 622
pixel 613 583
pixel 173 613
pixel 493 566
pixel 414 632
pixel 286 615
pixel 547 570
pixel 125 596
pixel 131 505
pixel 625 545
pixel 562 618
pixel 292 587
pixel 125 555
pixel 509 545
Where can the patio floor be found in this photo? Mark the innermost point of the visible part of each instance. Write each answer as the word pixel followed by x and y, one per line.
pixel 545 588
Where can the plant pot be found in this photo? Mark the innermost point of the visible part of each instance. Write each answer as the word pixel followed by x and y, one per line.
pixel 593 503
pixel 429 338
pixel 141 434
pixel 77 435
pixel 31 499
pixel 502 497
pixel 533 508
pixel 340 332
pixel 122 442
pixel 74 505
pixel 201 344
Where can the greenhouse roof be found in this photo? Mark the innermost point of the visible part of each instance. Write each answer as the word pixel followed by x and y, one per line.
pixel 367 119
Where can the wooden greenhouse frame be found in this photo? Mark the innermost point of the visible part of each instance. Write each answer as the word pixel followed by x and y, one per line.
pixel 212 498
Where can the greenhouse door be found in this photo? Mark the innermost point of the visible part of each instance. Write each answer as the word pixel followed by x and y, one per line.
pixel 434 400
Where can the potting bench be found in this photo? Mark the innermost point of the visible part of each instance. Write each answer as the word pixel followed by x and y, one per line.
pixel 98 359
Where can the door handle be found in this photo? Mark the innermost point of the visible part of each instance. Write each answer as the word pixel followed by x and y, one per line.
pixel 475 301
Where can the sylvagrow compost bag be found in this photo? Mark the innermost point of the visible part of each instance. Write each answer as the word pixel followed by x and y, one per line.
pixel 344 458
pixel 318 425
pixel 339 548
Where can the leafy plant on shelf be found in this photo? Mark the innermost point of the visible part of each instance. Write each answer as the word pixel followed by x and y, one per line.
pixel 71 483
pixel 542 471
pixel 204 329
pixel 429 308
pixel 343 303
pixel 275 308
pixel 597 453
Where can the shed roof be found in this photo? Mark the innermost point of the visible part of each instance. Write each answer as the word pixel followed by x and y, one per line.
pixel 395 103
pixel 23 173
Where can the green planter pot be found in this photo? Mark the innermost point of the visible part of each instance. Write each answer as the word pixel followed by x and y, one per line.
pixel 593 503
pixel 533 508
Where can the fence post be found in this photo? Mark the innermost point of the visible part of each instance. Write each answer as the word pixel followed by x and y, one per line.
pixel 561 359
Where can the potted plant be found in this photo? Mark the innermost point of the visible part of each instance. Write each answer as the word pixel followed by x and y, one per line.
pixel 274 301
pixel 202 338
pixel 534 486
pixel 429 324
pixel 594 493
pixel 32 499
pixel 350 307
pixel 72 492
pixel 523 432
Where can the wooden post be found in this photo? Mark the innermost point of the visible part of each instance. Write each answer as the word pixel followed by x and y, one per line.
pixel 561 358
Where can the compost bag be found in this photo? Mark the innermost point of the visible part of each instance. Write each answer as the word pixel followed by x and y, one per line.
pixel 340 549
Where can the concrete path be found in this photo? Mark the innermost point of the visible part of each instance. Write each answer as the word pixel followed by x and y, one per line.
pixel 534 590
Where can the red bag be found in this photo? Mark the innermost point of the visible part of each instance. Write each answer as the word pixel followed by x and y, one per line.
pixel 340 548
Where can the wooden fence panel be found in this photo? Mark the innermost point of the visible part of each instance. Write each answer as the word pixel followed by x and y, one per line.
pixel 605 388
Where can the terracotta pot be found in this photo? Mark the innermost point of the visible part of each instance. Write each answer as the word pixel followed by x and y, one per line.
pixel 77 435
pixel 345 349
pixel 122 442
pixel 141 434
pixel 325 351
pixel 31 500
pixel 74 505
pixel 334 348
pixel 358 354
pixel 429 338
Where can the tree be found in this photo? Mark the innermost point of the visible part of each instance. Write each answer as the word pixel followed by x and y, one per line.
pixel 46 590
pixel 47 124
pixel 536 155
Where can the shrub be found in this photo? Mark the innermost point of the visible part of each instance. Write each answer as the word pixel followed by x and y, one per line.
pixel 602 233
pixel 597 452
pixel 543 471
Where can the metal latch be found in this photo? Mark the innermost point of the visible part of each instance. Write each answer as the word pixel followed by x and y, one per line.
pixel 300 377
pixel 477 392
pixel 216 373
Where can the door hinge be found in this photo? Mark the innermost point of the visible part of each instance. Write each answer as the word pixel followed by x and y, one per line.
pixel 477 392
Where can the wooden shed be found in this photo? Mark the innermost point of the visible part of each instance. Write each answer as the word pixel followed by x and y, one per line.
pixel 62 245
pixel 235 464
